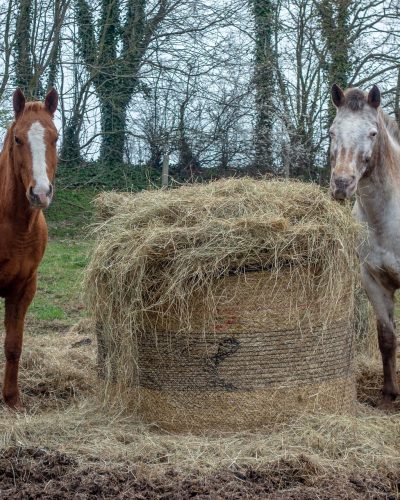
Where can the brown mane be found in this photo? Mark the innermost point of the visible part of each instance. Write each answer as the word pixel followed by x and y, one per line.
pixel 34 106
pixel 355 99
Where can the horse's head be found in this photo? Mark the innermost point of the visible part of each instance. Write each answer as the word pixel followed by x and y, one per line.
pixel 34 146
pixel 353 135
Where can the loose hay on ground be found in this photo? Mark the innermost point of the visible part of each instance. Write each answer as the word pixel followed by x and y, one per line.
pixel 93 435
pixel 52 373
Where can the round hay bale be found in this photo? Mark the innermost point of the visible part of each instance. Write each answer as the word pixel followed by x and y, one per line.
pixel 227 306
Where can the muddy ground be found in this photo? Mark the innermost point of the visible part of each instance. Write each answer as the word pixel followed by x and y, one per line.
pixel 27 473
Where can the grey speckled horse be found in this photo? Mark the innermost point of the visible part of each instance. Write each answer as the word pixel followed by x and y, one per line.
pixel 365 161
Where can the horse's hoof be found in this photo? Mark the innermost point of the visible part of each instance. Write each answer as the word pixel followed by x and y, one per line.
pixel 385 405
pixel 14 404
pixel 18 407
pixel 387 402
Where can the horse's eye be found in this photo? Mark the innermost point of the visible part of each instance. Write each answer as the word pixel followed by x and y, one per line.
pixel 55 140
pixel 373 133
pixel 18 141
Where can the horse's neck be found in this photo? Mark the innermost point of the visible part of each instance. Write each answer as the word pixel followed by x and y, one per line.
pixel 14 206
pixel 378 194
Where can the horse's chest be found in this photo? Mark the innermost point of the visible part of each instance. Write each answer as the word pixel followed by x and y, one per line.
pixel 382 258
pixel 18 260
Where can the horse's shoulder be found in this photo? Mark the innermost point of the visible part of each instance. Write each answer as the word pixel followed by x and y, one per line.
pixel 20 255
pixel 17 243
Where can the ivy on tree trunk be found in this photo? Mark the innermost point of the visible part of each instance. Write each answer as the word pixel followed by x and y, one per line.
pixel 23 60
pixel 336 33
pixel 30 70
pixel 113 54
pixel 264 83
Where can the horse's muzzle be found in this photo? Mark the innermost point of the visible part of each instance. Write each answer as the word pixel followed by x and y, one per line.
pixel 343 187
pixel 40 200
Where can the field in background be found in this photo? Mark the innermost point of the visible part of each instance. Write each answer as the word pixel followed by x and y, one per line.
pixel 69 444
pixel 70 213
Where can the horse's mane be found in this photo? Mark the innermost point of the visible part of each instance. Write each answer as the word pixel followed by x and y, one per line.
pixel 354 99
pixel 8 140
pixel 391 126
pixel 34 106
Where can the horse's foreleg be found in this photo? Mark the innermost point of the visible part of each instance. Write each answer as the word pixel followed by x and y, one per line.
pixel 16 305
pixel 382 300
pixel 387 345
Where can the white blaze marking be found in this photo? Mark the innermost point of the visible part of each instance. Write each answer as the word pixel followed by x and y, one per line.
pixel 39 167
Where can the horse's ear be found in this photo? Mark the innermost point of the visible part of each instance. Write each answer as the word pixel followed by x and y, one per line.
pixel 374 97
pixel 51 101
pixel 337 95
pixel 18 102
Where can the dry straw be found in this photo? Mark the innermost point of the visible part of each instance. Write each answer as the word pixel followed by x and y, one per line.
pixel 160 256
pixel 67 417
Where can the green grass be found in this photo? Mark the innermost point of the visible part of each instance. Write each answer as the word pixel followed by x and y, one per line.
pixel 58 299
pixel 70 213
pixel 60 276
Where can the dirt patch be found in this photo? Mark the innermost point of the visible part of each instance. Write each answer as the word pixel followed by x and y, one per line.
pixel 30 473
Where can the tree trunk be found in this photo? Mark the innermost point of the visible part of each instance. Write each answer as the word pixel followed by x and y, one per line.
pixel 70 150
pixel 34 54
pixel 23 62
pixel 113 53
pixel 188 163
pixel 156 155
pixel 264 84
pixel 165 171
pixel 113 126
pixel 336 33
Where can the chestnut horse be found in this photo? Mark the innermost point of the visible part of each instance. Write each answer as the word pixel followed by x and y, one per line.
pixel 27 169
pixel 365 160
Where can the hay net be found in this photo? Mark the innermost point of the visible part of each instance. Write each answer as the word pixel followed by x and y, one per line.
pixel 156 251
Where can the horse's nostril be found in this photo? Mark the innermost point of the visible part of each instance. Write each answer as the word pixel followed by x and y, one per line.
pixel 50 191
pixel 32 196
pixel 343 181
